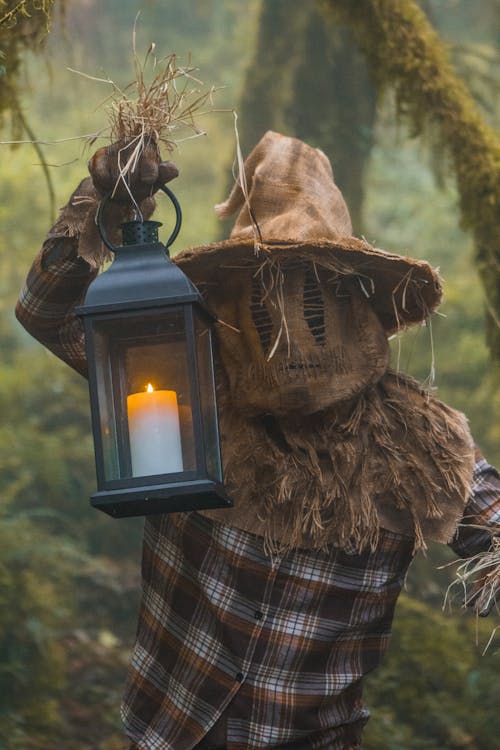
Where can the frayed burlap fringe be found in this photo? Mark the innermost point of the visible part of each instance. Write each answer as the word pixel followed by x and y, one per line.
pixel 396 458
pixel 78 218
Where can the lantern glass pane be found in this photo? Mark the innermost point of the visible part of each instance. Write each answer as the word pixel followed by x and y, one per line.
pixel 144 396
pixel 207 397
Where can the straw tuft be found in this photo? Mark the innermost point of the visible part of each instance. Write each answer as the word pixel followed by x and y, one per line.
pixel 160 105
pixel 479 577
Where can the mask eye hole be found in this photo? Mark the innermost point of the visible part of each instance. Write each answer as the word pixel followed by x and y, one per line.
pixel 314 307
pixel 260 316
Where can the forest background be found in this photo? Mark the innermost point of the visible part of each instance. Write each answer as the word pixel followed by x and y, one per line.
pixel 69 576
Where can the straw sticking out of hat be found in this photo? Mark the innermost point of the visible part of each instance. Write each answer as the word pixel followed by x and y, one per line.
pixel 302 215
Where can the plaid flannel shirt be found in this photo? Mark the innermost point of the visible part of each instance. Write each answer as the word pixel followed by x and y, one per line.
pixel 271 652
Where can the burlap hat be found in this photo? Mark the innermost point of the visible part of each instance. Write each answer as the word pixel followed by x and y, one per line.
pixel 293 210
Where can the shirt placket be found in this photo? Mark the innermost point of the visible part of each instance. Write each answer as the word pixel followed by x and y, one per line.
pixel 260 613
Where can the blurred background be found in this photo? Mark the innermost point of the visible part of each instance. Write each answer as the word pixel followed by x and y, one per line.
pixel 69 576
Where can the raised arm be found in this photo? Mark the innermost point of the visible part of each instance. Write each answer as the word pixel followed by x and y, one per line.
pixel 481 517
pixel 56 283
pixel 476 538
pixel 72 252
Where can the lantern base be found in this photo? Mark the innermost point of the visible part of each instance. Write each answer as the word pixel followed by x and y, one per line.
pixel 147 501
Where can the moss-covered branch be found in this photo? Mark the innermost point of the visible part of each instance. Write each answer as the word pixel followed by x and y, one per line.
pixel 407 55
pixel 24 27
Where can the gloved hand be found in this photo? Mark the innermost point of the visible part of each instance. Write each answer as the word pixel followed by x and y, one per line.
pixel 124 171
pixel 484 592
pixel 76 225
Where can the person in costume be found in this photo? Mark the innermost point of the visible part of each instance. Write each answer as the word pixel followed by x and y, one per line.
pixel 258 623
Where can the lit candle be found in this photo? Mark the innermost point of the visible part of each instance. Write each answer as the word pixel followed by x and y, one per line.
pixel 154 431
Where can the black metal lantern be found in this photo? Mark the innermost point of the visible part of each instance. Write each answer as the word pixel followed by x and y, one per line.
pixel 151 380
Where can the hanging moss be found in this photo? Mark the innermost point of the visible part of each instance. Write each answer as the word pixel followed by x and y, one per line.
pixel 406 55
pixel 24 25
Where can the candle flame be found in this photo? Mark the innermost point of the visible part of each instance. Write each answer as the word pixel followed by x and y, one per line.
pixel 149 388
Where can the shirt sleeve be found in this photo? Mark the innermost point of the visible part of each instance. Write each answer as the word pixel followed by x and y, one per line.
pixel 56 284
pixel 481 519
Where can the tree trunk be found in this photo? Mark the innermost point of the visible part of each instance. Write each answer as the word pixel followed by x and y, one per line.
pixel 311 82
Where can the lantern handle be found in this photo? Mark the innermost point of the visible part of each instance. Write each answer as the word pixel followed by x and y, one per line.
pixel 175 232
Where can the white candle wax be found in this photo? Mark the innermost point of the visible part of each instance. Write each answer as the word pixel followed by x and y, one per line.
pixel 154 432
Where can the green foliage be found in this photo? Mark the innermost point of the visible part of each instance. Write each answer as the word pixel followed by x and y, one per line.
pixel 46 455
pixel 14 12
pixel 65 635
pixel 36 605
pixel 434 691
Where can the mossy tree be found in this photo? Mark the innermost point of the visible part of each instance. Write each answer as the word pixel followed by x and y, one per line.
pixel 307 79
pixel 405 54
pixel 23 26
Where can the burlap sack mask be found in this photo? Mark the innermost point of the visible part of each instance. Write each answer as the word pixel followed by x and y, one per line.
pixel 321 443
pixel 309 306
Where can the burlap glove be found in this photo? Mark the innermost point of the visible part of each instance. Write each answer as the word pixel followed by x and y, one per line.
pixel 131 192
pixel 116 169
pixel 484 593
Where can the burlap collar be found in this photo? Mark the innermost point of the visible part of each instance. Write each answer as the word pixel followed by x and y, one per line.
pixel 396 458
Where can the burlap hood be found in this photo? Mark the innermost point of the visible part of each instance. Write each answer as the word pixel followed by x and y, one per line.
pixel 292 206
pixel 387 455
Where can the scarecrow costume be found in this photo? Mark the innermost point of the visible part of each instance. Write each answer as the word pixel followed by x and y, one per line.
pixel 258 623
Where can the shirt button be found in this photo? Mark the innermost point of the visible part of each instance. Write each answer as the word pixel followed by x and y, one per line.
pixel 258 614
pixel 240 676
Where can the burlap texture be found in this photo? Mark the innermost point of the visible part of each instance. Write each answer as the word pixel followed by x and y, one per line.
pixel 78 218
pixel 294 206
pixel 300 338
pixel 395 457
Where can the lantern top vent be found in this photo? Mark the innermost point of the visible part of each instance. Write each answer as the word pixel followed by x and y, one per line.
pixel 140 232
